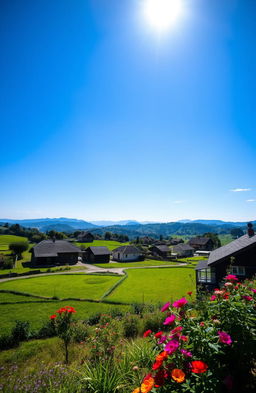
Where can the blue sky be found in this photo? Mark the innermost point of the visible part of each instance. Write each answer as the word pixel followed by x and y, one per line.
pixel 103 118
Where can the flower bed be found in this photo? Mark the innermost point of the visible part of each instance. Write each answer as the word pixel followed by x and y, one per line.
pixel 207 345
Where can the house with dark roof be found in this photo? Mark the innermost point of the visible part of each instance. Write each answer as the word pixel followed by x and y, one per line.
pixel 85 237
pixel 183 250
pixel 201 243
pixel 127 254
pixel 175 241
pixel 97 254
pixel 55 252
pixel 237 257
pixel 161 250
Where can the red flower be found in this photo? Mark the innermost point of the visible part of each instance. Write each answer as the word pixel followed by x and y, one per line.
pixel 231 277
pixel 180 302
pixel 53 316
pixel 189 293
pixel 158 334
pixel 147 333
pixel 160 377
pixel 198 366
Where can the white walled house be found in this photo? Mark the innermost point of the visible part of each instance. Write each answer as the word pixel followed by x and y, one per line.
pixel 126 254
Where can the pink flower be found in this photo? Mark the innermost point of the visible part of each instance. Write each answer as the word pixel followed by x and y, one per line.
pixel 171 346
pixel 186 353
pixel 248 298
pixel 169 320
pixel 231 277
pixel 201 324
pixel 224 338
pixel 165 307
pixel 253 290
pixel 176 330
pixel 213 297
pixel 180 303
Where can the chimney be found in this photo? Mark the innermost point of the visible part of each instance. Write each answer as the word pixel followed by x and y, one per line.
pixel 250 229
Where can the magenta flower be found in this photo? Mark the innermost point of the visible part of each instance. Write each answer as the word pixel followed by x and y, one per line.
pixel 165 307
pixel 180 303
pixel 253 290
pixel 169 320
pixel 162 339
pixel 213 297
pixel 171 346
pixel 224 338
pixel 231 277
pixel 186 353
pixel 248 298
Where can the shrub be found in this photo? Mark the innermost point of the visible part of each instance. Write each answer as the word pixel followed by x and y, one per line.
pixel 153 321
pixel 131 326
pixel 80 332
pixel 94 319
pixel 18 248
pixel 21 331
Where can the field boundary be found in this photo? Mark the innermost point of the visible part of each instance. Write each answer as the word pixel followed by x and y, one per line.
pixel 116 285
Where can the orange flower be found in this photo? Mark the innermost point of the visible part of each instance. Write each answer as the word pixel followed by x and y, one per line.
pixel 137 390
pixel 162 356
pixel 147 384
pixel 178 375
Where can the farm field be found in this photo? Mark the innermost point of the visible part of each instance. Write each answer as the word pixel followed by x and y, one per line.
pixel 38 313
pixel 111 244
pixel 154 285
pixel 64 286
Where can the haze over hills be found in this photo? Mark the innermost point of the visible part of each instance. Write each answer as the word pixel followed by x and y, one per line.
pixel 131 228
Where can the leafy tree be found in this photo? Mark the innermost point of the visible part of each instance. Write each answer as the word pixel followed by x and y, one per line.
pixel 236 232
pixel 107 235
pixel 18 248
pixel 214 237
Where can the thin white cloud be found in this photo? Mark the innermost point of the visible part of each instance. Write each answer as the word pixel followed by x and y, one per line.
pixel 240 189
pixel 251 200
pixel 178 202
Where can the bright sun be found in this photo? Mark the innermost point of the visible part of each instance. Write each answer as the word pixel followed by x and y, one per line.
pixel 162 14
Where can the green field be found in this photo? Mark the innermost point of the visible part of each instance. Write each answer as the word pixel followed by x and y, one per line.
pixel 64 286
pixel 37 313
pixel 5 240
pixel 110 244
pixel 225 239
pixel 149 262
pixel 154 285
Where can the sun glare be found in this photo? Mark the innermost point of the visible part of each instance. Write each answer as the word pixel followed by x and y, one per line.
pixel 162 14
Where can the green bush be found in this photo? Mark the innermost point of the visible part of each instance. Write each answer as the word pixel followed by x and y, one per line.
pixel 80 332
pixel 21 331
pixel 131 326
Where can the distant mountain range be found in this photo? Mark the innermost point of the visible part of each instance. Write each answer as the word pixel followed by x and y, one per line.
pixel 131 228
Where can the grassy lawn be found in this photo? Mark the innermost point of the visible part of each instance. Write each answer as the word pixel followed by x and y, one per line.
pixel 154 285
pixel 110 244
pixel 63 286
pixel 148 262
pixel 5 240
pixel 38 313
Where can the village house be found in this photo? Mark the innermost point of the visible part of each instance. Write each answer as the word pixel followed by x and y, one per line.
pixel 162 251
pixel 55 252
pixel 85 237
pixel 201 243
pixel 174 241
pixel 237 257
pixel 97 254
pixel 183 250
pixel 127 254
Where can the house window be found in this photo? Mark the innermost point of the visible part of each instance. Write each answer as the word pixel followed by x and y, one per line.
pixel 239 270
pixel 206 275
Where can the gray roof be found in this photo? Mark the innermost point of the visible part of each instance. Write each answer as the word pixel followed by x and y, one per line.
pixel 127 250
pixel 199 240
pixel 202 265
pixel 100 250
pixel 183 247
pixel 232 248
pixel 49 248
pixel 163 248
